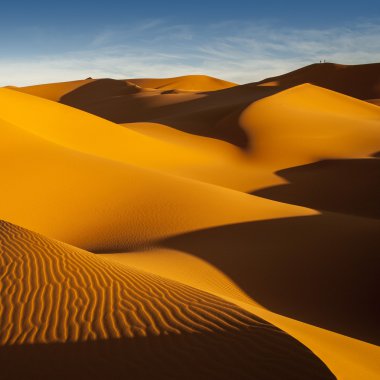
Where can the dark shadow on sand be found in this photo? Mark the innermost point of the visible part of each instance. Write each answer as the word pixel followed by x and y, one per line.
pixel 323 269
pixel 256 353
pixel 350 186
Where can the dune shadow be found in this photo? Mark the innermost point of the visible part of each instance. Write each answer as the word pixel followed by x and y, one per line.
pixel 214 115
pixel 323 269
pixel 350 186
pixel 247 354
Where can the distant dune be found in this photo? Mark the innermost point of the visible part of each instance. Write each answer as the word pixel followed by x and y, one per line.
pixel 187 82
pixel 358 81
pixel 190 227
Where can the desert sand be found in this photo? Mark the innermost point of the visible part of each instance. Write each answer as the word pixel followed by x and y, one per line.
pixel 190 227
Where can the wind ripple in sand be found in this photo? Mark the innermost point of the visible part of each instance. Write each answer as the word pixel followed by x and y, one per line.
pixel 53 292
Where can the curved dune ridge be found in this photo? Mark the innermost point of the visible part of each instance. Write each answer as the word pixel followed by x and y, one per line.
pixel 57 293
pixel 189 227
pixel 187 82
pixel 359 81
pixel 327 125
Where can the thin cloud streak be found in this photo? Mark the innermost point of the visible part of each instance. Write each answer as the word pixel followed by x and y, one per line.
pixel 238 52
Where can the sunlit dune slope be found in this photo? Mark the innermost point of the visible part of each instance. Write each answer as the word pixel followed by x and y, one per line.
pixel 101 204
pixel 56 293
pixel 183 267
pixel 330 125
pixel 359 81
pixel 52 91
pixel 187 82
pixel 200 158
pixel 310 124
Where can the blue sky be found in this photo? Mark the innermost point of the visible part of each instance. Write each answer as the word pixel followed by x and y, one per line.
pixel 238 40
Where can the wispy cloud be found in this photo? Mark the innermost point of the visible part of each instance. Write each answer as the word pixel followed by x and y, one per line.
pixel 235 51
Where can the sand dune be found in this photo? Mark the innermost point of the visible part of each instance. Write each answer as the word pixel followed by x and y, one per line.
pixel 318 252
pixel 105 205
pixel 327 125
pixel 198 158
pixel 192 223
pixel 346 357
pixel 75 296
pixel 52 91
pixel 358 81
pixel 187 82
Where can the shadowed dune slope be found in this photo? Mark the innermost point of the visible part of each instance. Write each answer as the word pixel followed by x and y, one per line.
pixel 211 114
pixel 187 82
pixel 358 81
pixel 320 269
pixel 349 186
pixel 56 293
pixel 347 358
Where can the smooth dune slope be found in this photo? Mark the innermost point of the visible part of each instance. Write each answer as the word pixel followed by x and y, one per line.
pixel 331 125
pixel 104 205
pixel 56 293
pixel 310 124
pixel 200 158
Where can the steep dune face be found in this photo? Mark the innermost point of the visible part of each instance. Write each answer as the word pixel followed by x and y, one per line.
pixel 75 296
pixel 322 269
